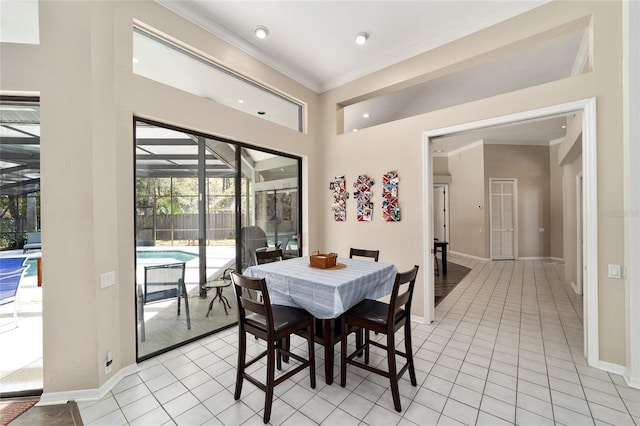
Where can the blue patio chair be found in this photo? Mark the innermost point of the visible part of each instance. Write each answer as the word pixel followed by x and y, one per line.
pixel 9 283
pixel 162 282
pixel 11 262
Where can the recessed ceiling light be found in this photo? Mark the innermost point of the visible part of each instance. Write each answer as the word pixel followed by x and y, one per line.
pixel 355 130
pixel 564 126
pixel 366 115
pixel 135 60
pixel 240 101
pixel 261 31
pixel 361 38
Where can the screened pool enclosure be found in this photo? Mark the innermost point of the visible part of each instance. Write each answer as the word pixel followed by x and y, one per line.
pixel 208 203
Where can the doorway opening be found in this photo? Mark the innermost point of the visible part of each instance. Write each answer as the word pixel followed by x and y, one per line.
pixel 589 202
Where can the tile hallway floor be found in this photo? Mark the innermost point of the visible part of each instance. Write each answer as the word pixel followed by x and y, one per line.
pixel 506 348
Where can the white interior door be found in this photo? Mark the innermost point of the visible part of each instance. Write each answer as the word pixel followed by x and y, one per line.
pixel 503 195
pixel 441 212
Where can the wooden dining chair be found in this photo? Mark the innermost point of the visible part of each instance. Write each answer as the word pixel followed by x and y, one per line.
pixel 373 254
pixel 266 256
pixel 273 324
pixel 385 318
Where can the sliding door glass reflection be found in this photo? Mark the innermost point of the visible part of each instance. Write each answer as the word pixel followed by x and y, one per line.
pixel 185 200
pixel 190 189
pixel 271 215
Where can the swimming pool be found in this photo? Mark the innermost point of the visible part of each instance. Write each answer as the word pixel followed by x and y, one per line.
pixel 32 270
pixel 149 257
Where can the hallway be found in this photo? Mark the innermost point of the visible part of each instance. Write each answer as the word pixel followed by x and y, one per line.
pixel 506 348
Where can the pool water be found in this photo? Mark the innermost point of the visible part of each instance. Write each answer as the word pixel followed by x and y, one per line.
pixel 144 257
pixel 32 270
pixel 164 256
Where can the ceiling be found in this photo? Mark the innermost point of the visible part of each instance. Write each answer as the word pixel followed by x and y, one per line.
pixel 313 42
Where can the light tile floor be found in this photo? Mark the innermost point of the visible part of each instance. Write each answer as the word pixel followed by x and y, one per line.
pixel 506 348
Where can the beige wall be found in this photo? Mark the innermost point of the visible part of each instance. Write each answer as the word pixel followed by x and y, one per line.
pixel 88 98
pixel 570 172
pixel 440 166
pixel 569 159
pixel 399 144
pixel 467 202
pixel 530 166
pixel 89 95
pixel 555 204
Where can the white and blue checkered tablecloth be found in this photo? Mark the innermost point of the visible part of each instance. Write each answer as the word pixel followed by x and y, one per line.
pixel 325 293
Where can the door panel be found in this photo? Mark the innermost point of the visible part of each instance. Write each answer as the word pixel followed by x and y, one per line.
pixel 503 216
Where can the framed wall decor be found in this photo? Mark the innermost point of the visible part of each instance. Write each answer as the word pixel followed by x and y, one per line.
pixel 363 196
pixel 390 208
pixel 339 206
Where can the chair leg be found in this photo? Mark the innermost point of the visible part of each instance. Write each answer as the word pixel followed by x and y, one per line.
pixel 312 356
pixel 268 399
pixel 242 357
pixel 280 344
pixel 186 305
pixel 15 312
pixel 343 352
pixel 359 339
pixel 408 348
pixel 141 314
pixel 393 374
pixel 366 346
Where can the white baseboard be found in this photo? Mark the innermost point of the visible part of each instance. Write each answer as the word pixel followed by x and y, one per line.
pixel 419 320
pixel 468 255
pixel 53 398
pixel 633 382
pixel 612 368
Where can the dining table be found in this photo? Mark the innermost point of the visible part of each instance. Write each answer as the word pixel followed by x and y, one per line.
pixel 325 293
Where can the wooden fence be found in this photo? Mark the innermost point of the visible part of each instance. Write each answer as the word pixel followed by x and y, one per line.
pixel 183 227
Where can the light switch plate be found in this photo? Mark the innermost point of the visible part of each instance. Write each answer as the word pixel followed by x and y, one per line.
pixel 107 279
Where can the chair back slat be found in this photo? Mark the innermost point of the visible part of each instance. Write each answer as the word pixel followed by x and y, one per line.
pixel 267 256
pixel 373 254
pixel 402 299
pixel 261 306
pixel 9 283
pixel 163 282
pixel 11 262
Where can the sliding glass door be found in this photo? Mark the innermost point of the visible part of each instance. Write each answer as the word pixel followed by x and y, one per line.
pixel 203 206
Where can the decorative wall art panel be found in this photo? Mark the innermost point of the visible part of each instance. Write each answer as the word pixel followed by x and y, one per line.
pixel 390 209
pixel 340 195
pixel 363 196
